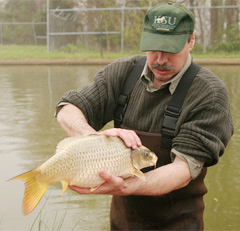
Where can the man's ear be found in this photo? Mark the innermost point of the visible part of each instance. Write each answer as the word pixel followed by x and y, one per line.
pixel 192 41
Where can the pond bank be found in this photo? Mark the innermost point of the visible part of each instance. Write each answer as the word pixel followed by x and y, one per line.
pixel 203 61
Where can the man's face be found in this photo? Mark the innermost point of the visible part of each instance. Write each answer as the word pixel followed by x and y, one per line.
pixel 165 65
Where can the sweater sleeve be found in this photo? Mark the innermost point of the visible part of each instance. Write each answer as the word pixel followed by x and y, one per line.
pixel 207 126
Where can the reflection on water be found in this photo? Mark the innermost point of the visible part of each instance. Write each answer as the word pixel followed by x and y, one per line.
pixel 29 134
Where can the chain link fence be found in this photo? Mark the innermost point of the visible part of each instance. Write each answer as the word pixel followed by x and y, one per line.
pixel 118 27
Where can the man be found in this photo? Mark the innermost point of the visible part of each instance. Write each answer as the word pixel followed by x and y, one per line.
pixel 172 196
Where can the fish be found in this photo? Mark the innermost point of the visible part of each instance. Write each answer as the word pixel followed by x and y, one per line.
pixel 78 160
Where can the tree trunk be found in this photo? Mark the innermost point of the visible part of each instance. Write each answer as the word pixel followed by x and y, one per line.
pixel 217 23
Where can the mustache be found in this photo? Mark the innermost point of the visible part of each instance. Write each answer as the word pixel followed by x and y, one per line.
pixel 163 67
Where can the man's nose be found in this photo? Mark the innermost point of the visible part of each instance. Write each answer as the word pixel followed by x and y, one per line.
pixel 161 57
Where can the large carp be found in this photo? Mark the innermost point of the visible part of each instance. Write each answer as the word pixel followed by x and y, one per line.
pixel 78 160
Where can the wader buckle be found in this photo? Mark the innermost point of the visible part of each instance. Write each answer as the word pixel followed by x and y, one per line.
pixel 171 116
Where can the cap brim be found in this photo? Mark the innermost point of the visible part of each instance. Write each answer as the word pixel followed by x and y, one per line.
pixel 162 42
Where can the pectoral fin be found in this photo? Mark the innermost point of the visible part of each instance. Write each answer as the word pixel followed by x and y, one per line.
pixel 139 174
pixel 64 187
pixel 94 188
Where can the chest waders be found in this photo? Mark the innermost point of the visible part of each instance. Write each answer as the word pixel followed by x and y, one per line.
pixel 179 210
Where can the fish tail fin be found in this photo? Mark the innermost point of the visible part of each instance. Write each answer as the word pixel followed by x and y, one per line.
pixel 34 189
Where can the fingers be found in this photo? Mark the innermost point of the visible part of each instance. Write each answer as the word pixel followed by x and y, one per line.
pixel 110 179
pixel 113 185
pixel 105 175
pixel 129 137
pixel 80 190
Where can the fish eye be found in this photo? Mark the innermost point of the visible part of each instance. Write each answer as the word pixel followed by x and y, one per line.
pixel 145 153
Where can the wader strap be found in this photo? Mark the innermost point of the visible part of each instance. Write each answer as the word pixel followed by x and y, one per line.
pixel 123 99
pixel 174 107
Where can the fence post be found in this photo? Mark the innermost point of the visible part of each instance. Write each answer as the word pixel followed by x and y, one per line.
pixel 34 33
pixel 0 32
pixel 204 31
pixel 48 49
pixel 122 26
pixel 101 40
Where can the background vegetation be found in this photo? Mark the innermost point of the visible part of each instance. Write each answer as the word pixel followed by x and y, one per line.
pixel 217 27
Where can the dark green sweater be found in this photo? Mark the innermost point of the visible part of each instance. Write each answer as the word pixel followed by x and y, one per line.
pixel 203 129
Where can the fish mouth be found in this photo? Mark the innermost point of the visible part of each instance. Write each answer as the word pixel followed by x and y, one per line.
pixel 155 159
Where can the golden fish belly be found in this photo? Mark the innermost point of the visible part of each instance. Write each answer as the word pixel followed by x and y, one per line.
pixel 79 161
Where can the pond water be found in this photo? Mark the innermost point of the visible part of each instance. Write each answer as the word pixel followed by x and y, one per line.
pixel 30 133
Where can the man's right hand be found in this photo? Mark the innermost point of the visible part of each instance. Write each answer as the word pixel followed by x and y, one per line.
pixel 129 137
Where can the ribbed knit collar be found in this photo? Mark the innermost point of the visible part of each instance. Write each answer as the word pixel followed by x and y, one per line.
pixel 146 78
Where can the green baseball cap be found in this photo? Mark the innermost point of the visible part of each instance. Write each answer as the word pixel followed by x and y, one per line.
pixel 166 28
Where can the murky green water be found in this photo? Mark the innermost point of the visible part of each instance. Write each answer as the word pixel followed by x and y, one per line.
pixel 29 134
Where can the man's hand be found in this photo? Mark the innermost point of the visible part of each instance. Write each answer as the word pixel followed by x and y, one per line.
pixel 129 137
pixel 113 185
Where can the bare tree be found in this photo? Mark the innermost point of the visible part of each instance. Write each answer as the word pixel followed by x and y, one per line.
pixel 217 22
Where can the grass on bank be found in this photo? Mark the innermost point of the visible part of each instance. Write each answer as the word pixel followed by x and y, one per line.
pixel 18 52
pixel 40 52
